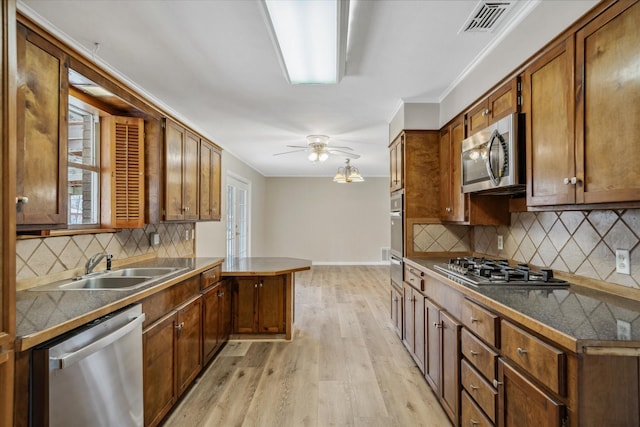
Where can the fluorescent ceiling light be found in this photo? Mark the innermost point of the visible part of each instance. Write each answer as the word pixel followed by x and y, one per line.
pixel 310 38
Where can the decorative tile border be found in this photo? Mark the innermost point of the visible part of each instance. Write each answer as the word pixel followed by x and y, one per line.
pixel 50 255
pixel 582 243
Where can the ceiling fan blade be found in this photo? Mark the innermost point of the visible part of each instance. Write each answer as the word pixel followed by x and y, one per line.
pixel 297 146
pixel 342 148
pixel 289 152
pixel 345 153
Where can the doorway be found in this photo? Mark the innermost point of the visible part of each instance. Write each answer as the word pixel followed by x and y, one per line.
pixel 238 196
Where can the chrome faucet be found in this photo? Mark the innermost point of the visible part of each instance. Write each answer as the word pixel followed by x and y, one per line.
pixel 95 260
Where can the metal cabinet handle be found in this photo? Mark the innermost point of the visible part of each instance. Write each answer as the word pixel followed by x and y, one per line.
pixel 497 383
pixel 521 351
pixel 473 353
pixel 179 326
pixel 22 199
pixel 472 387
pixel 437 325
pixel 473 422
pixel 474 320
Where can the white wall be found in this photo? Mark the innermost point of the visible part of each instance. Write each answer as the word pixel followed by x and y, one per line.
pixel 326 222
pixel 211 236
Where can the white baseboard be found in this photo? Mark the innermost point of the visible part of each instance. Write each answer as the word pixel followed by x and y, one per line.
pixel 350 262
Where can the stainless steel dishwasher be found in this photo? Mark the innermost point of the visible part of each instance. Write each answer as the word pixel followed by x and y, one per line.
pixel 91 376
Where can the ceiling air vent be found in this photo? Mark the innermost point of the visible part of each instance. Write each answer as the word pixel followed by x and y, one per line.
pixel 486 16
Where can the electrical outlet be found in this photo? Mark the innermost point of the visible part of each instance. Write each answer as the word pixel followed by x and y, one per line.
pixel 500 243
pixel 623 263
pixel 624 330
pixel 187 234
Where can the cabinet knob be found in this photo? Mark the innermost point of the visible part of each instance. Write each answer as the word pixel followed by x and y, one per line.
pixel 474 320
pixel 521 351
pixel 497 383
pixel 179 326
pixel 486 112
pixel 22 199
pixel 473 422
pixel 437 325
pixel 448 209
pixel 255 285
pixel 573 180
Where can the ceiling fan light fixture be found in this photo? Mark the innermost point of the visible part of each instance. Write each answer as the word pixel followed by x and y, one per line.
pixel 323 156
pixel 313 156
pixel 347 174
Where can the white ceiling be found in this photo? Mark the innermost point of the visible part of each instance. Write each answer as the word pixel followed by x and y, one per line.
pixel 213 63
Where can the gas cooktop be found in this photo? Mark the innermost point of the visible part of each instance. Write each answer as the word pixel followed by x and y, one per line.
pixel 498 272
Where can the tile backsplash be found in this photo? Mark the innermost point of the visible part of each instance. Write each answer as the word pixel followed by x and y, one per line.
pixel 581 243
pixel 441 238
pixel 49 255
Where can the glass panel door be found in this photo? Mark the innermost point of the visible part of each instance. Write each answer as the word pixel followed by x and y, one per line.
pixel 237 217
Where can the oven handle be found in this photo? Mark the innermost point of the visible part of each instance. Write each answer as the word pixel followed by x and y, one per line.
pixel 69 359
pixel 395 214
pixel 395 261
pixel 495 136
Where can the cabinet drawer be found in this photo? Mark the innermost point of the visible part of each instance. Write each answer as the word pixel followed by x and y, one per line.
pixel 481 321
pixel 542 361
pixel 472 415
pixel 479 354
pixel 479 389
pixel 414 277
pixel 210 277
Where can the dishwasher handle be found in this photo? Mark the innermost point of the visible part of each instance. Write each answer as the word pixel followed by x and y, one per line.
pixel 69 359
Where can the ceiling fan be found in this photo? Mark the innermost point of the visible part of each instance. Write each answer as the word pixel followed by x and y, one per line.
pixel 319 150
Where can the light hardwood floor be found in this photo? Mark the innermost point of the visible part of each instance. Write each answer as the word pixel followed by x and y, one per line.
pixel 344 367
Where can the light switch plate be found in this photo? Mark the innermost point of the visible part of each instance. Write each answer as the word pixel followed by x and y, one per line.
pixel 500 242
pixel 623 264
pixel 624 330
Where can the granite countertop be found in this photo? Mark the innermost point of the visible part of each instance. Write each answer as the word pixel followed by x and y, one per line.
pixel 45 314
pixel 257 266
pixel 584 315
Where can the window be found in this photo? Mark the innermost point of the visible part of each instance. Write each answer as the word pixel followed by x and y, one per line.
pixel 238 196
pixel 83 164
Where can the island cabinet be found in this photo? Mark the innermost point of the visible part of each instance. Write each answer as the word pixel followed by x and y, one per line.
pixel 216 312
pixel 503 101
pixel 259 305
pixel 585 76
pixel 41 172
pixel 172 346
pixel 181 173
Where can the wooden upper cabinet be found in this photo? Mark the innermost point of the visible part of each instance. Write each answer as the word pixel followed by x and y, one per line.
pixel 452 199
pixel 396 154
pixel 608 106
pixel 210 170
pixel 41 172
pixel 181 163
pixel 122 172
pixel 502 102
pixel 549 110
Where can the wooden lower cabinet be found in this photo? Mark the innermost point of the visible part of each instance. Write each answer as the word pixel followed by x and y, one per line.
pixel 522 403
pixel 216 318
pixel 259 305
pixel 443 357
pixel 471 414
pixel 396 310
pixel 413 321
pixel 172 358
pixel 6 388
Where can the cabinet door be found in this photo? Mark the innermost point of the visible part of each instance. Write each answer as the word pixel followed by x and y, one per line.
pixel 452 199
pixel 271 305
pixel 396 311
pixel 408 318
pixel 224 328
pixel 608 107
pixel 396 154
pixel 41 172
pixel 174 142
pixel 503 101
pixel 210 321
pixel 122 172
pixel 419 333
pixel 189 343
pixel 191 175
pixel 433 353
pixel 244 301
pixel 209 182
pixel 6 388
pixel 159 379
pixel 478 117
pixel 450 384
pixel 522 403
pixel 549 111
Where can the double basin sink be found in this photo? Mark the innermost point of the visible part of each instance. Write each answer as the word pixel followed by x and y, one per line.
pixel 118 280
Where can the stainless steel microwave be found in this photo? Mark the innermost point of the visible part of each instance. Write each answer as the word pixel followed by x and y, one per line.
pixel 493 159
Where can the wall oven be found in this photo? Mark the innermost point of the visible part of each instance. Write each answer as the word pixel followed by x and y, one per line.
pixel 397 239
pixel 493 159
